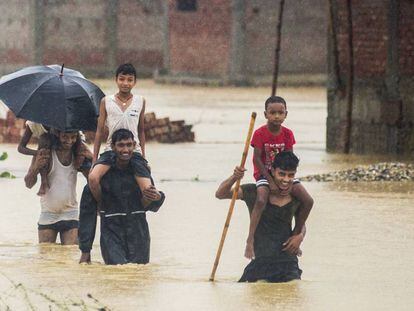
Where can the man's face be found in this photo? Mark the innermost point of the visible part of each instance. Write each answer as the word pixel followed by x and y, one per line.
pixel 283 179
pixel 124 148
pixel 275 113
pixel 67 140
pixel 125 82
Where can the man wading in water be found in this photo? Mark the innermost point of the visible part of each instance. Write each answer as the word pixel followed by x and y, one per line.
pixel 124 229
pixel 59 208
pixel 276 246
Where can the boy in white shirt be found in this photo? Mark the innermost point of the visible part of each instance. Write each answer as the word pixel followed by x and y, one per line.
pixel 121 111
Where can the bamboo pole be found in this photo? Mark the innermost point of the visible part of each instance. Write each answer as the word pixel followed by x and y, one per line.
pixel 234 197
pixel 277 49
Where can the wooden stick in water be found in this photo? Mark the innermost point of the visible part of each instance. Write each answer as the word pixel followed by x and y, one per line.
pixel 234 197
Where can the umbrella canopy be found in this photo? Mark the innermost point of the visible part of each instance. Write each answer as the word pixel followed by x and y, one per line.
pixel 54 96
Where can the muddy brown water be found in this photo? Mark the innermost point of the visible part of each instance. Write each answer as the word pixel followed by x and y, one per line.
pixel 357 254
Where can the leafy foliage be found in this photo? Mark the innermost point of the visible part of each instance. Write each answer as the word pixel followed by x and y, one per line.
pixel 3 157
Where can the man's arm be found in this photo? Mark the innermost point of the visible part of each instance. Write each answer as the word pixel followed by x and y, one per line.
pixel 87 154
pixel 292 245
pixel 141 129
pixel 299 192
pixel 22 148
pixel 153 199
pixel 40 161
pixel 99 130
pixel 225 190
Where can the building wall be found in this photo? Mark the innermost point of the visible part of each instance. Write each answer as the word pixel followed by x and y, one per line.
pixel 199 41
pixel 303 42
pixel 92 36
pixel 76 39
pixel 140 34
pixel 382 104
pixel 96 35
pixel 16 37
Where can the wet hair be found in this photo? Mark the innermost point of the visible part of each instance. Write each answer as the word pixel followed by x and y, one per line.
pixel 126 69
pixel 121 134
pixel 275 99
pixel 286 160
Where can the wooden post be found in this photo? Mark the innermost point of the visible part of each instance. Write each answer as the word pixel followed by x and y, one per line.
pixel 277 49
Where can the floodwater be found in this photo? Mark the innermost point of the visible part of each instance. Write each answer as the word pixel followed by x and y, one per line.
pixel 357 254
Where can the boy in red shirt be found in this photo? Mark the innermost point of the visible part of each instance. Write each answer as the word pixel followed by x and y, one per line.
pixel 267 141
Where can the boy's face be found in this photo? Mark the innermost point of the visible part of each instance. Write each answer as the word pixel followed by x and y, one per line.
pixel 275 113
pixel 67 140
pixel 283 179
pixel 125 82
pixel 124 148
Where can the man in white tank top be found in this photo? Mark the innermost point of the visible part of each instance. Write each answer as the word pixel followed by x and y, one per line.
pixel 120 111
pixel 59 208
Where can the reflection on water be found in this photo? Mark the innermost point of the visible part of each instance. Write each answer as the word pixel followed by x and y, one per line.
pixel 356 254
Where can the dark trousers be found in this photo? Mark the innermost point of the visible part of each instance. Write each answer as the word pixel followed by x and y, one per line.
pixel 124 239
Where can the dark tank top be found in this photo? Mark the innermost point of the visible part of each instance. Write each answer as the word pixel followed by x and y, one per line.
pixel 274 228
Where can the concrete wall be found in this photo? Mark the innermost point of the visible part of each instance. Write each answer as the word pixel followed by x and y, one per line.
pixel 382 114
pixel 303 44
pixel 76 39
pixel 93 36
pixel 140 34
pixel 16 35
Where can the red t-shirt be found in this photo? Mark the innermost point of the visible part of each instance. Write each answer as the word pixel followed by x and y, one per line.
pixel 271 145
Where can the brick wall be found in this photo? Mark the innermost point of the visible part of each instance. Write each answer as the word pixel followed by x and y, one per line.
pixel 383 86
pixel 406 32
pixel 200 40
pixel 11 129
pixel 369 37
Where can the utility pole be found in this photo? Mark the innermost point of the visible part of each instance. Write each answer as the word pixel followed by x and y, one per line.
pixel 277 49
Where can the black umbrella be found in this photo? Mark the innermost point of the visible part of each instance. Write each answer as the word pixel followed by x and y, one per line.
pixel 53 96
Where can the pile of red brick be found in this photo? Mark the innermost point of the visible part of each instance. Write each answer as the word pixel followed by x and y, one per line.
pixel 166 131
pixel 162 130
pixel 11 129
